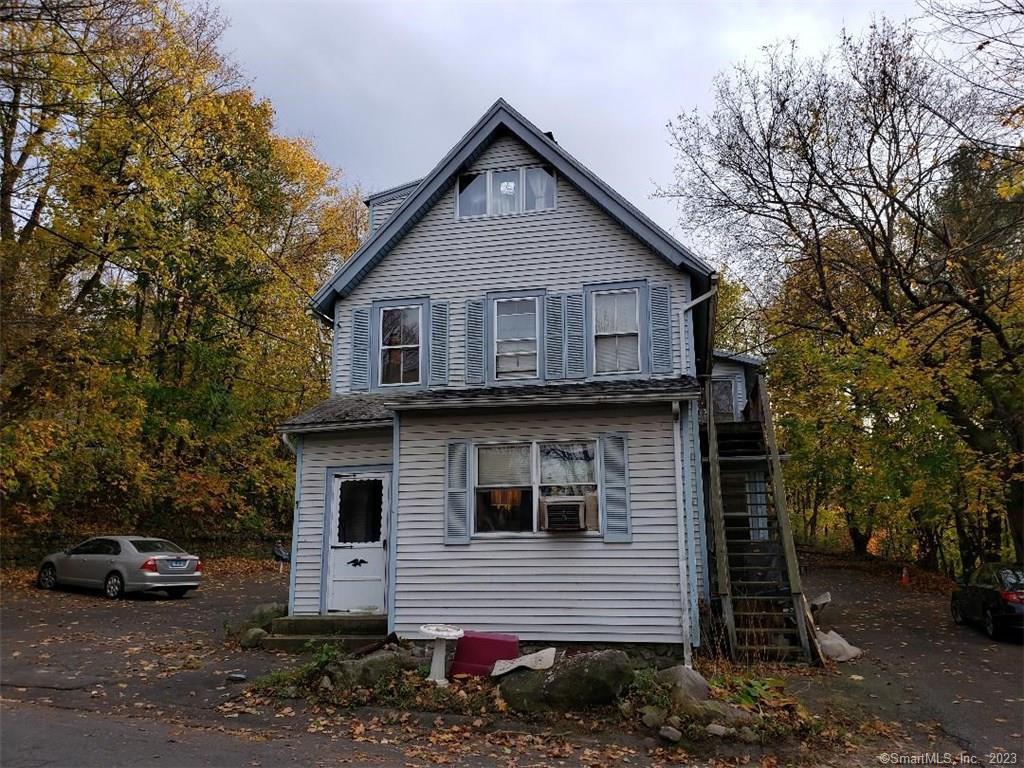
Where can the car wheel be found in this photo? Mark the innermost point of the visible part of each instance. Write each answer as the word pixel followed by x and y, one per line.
pixel 990 625
pixel 176 592
pixel 958 616
pixel 113 587
pixel 47 578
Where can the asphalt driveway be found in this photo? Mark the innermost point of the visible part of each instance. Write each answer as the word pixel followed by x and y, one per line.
pixel 920 662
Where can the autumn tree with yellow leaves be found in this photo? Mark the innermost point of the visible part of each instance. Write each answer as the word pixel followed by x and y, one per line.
pixel 158 245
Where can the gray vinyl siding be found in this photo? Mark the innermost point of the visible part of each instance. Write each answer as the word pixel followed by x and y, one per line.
pixel 380 212
pixel 540 586
pixel 319 452
pixel 560 251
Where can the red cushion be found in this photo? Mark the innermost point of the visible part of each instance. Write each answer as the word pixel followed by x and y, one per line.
pixel 476 652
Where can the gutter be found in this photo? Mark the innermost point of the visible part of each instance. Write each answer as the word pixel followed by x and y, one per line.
pixel 561 399
pixel 334 426
pixel 710 296
pixel 681 535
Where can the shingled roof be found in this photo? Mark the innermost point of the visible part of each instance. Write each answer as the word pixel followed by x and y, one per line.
pixel 341 412
pixel 363 411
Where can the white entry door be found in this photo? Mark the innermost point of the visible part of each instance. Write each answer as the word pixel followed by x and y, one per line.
pixel 358 531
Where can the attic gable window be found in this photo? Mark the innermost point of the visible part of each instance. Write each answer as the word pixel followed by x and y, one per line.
pixel 528 189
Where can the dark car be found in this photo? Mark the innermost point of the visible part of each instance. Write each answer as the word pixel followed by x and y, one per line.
pixel 993 596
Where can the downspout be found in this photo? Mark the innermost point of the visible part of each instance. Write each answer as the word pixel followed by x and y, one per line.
pixel 295 448
pixel 684 578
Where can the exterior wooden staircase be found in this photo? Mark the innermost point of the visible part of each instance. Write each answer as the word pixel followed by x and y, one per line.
pixel 758 576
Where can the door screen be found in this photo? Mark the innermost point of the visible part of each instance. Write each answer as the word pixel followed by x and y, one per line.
pixel 359 511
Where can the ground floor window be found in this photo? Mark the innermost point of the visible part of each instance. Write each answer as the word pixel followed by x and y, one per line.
pixel 526 487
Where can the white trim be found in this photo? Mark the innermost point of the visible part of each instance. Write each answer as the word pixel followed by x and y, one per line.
pixel 594 334
pixel 381 346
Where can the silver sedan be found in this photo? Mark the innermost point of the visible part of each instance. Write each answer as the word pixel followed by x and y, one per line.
pixel 120 564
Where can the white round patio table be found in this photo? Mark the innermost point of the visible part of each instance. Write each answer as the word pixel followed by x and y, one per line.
pixel 441 634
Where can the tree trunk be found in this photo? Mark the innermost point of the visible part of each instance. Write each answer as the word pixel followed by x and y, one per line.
pixel 860 540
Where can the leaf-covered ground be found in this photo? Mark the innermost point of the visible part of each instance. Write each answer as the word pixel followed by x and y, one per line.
pixel 152 663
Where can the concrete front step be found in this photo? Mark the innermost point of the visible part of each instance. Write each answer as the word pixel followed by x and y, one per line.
pixel 366 624
pixel 305 643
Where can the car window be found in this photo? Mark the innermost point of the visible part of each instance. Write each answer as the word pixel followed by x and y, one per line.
pixel 977 578
pixel 90 547
pixel 1011 579
pixel 147 546
pixel 108 547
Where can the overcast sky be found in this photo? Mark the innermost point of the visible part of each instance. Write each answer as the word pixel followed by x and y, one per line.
pixel 384 89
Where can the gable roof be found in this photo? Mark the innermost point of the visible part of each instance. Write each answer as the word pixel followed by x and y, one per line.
pixel 501 117
pixel 402 190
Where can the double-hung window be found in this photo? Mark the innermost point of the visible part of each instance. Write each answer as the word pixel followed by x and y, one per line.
pixel 401 345
pixel 616 324
pixel 504 488
pixel 515 338
pixel 519 486
pixel 526 189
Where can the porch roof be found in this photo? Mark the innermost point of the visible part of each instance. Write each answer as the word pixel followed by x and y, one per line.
pixel 573 393
pixel 357 411
pixel 365 411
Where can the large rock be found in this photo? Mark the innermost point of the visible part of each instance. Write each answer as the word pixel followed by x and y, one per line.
pixel 588 679
pixel 265 613
pixel 685 682
pixel 366 671
pixel 653 717
pixel 252 637
pixel 576 682
pixel 523 690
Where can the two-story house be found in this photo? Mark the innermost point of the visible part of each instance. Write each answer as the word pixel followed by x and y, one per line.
pixel 512 442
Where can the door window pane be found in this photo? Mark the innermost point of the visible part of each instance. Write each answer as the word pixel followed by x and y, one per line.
pixel 539 191
pixel 360 511
pixel 505 192
pixel 722 396
pixel 473 195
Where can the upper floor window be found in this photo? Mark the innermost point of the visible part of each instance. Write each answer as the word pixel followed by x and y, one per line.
pixel 400 345
pixel 501 193
pixel 616 331
pixel 515 338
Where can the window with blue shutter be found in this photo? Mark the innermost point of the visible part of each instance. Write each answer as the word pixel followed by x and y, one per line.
pixel 615 487
pixel 661 329
pixel 438 344
pixel 359 366
pixel 575 337
pixel 554 337
pixel 456 493
pixel 475 341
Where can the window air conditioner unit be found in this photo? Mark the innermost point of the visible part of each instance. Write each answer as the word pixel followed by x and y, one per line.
pixel 564 515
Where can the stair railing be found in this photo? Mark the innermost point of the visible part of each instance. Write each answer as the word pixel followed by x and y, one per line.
pixel 718 519
pixel 785 531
